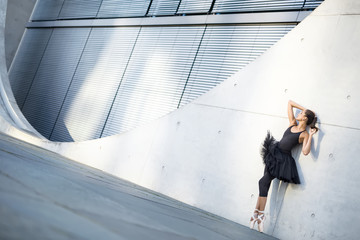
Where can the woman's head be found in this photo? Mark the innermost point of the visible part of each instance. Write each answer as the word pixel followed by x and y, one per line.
pixel 311 119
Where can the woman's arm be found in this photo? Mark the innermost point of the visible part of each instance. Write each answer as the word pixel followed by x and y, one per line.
pixel 307 141
pixel 291 116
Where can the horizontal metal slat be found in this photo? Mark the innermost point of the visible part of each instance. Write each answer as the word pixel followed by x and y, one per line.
pixel 194 6
pixel 123 8
pixel 163 7
pixel 79 9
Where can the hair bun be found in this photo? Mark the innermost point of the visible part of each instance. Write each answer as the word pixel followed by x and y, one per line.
pixel 312 125
pixel 314 121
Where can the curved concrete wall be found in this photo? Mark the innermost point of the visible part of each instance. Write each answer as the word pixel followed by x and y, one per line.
pixel 207 153
pixel 11 117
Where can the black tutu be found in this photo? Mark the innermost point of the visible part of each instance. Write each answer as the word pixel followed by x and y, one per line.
pixel 278 163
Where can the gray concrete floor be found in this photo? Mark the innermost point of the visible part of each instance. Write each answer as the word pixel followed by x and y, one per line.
pixel 45 196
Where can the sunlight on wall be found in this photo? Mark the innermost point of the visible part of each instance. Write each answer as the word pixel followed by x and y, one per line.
pixel 89 102
pixel 146 103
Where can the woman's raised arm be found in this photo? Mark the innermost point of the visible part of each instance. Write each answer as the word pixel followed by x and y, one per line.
pixel 291 116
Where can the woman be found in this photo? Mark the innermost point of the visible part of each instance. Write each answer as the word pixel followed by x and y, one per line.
pixel 277 156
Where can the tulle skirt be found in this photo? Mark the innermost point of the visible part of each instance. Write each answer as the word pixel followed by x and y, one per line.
pixel 278 163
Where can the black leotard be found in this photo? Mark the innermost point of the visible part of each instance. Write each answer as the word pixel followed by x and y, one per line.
pixel 289 140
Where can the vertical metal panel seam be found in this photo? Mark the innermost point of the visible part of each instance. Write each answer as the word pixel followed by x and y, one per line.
pixel 192 65
pixel 32 82
pixel 212 6
pixel 60 9
pixel 122 77
pixel 303 4
pixel 147 12
pixel 96 16
pixel 297 17
pixel 255 37
pixel 177 9
pixel 17 50
pixel 67 91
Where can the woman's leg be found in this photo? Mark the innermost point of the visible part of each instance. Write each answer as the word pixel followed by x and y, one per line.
pixel 264 185
pixel 262 203
pixel 254 217
pixel 258 204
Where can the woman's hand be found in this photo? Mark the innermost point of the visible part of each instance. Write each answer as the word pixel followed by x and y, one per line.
pixel 307 141
pixel 313 131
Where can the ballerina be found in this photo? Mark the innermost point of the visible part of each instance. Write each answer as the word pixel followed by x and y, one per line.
pixel 277 156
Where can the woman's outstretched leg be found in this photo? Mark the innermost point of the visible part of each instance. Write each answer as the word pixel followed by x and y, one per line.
pixel 264 185
pixel 262 203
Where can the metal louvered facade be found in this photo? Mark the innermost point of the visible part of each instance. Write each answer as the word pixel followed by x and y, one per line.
pixel 155 78
pixel 223 6
pixel 194 6
pixel 27 62
pixel 123 8
pixel 78 82
pixel 95 83
pixel 53 78
pixel 227 49
pixel 312 4
pixel 163 7
pixel 85 9
pixel 79 9
pixel 47 10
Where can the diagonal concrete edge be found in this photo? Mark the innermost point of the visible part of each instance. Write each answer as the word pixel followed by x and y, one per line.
pixel 206 154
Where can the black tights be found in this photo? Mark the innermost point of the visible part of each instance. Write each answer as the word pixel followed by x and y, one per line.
pixel 264 184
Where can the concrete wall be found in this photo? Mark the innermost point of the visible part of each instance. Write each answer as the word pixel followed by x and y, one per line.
pixel 207 153
pixel 18 14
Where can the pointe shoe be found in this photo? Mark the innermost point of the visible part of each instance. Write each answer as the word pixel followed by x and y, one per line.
pixel 253 219
pixel 261 218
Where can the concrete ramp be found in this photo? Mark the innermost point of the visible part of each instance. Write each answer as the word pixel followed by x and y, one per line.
pixel 206 154
pixel 46 196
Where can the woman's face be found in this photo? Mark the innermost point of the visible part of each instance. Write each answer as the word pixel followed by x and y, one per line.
pixel 301 116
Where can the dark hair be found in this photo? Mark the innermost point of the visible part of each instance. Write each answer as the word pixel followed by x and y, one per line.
pixel 312 119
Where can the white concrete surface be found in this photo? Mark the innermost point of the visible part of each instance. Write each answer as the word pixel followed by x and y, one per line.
pixel 46 196
pixel 207 153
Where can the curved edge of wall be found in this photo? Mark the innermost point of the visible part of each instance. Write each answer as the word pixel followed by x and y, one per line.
pixel 207 153
pixel 12 117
